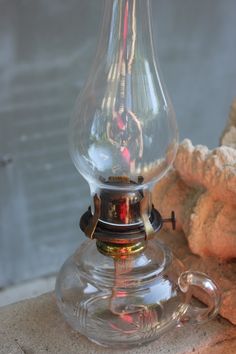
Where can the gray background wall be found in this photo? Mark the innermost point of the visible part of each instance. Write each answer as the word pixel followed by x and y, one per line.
pixel 46 48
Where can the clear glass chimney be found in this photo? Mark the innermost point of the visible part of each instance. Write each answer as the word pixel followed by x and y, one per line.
pixel 124 124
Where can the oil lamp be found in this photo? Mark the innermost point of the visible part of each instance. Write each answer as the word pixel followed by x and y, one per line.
pixel 123 287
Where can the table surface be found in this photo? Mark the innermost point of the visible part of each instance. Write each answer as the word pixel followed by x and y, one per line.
pixel 35 326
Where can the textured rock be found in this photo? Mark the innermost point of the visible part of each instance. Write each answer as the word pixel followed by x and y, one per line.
pixel 36 327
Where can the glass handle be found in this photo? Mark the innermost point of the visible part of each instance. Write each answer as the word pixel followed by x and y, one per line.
pixel 188 282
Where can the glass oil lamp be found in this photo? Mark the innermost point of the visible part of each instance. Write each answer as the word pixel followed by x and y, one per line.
pixel 123 287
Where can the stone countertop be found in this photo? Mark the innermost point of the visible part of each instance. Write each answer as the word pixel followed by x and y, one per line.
pixel 35 326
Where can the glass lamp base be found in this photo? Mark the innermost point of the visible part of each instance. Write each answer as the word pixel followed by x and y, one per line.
pixel 129 301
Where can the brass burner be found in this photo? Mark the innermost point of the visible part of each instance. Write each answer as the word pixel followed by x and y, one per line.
pixel 120 250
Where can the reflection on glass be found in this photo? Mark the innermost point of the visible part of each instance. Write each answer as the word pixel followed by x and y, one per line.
pixel 124 124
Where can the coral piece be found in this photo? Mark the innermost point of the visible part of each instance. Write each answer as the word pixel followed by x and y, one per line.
pixel 202 191
pixel 213 170
pixel 212 229
pixel 201 188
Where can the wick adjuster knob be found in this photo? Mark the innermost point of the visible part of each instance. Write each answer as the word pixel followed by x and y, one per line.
pixel 171 220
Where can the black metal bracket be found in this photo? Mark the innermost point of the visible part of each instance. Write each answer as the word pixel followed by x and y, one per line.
pixel 120 234
pixel 171 220
pixel 116 234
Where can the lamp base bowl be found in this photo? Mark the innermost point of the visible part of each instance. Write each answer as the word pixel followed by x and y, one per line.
pixel 122 302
